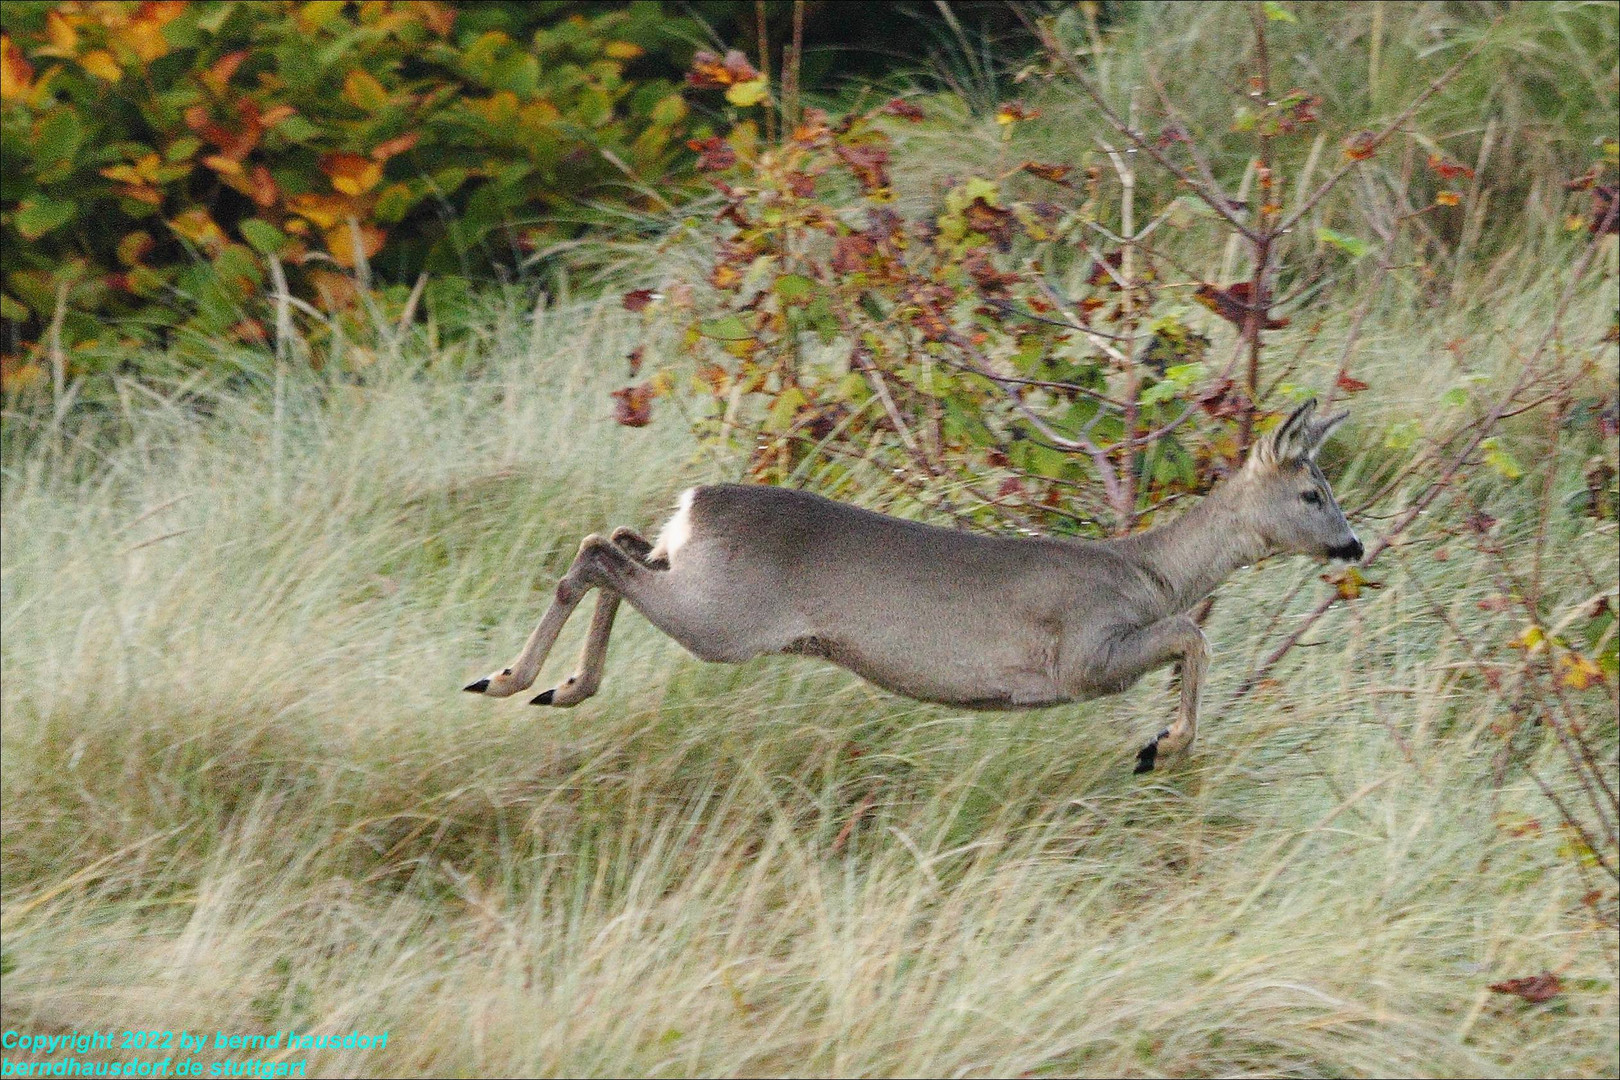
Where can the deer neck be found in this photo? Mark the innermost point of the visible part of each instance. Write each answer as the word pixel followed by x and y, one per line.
pixel 1190 556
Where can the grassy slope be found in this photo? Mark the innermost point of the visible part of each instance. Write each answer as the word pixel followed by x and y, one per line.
pixel 241 791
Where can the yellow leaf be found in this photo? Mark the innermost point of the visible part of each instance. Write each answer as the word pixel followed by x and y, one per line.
pixel 745 94
pixel 63 35
pixel 198 227
pixel 101 64
pixel 1531 639
pixel 1579 672
pixel 222 164
pixel 19 376
pixel 324 210
pixel 1447 198
pixel 145 37
pixel 622 50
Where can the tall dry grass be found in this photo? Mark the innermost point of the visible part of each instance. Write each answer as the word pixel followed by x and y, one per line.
pixel 242 791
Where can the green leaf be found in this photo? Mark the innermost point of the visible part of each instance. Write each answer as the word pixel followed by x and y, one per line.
pixel 725 328
pixel 745 94
pixel 785 409
pixel 1456 397
pixel 1277 13
pixel 264 237
pixel 1353 246
pixel 1402 434
pixel 1158 392
pixel 57 136
pixel 39 215
pixel 792 288
pixel 1499 459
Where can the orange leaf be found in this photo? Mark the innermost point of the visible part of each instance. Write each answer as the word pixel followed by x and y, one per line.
pixel 1447 169
pixel 220 73
pixel 1014 111
pixel 350 173
pixel 1361 146
pixel 393 147
pixel 16 73
pixel 1447 198
pixel 340 242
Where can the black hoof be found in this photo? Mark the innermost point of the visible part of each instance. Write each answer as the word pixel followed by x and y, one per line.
pixel 543 699
pixel 1145 757
pixel 478 687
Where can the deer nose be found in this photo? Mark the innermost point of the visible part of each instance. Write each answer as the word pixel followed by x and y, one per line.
pixel 1350 552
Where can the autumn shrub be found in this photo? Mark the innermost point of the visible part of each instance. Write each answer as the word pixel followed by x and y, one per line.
pixel 179 165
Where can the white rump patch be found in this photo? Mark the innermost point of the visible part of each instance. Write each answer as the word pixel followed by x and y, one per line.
pixel 676 531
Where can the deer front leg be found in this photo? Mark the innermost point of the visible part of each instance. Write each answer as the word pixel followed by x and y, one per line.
pixel 1138 652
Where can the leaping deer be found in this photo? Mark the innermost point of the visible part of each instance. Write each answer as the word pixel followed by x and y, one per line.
pixel 984 622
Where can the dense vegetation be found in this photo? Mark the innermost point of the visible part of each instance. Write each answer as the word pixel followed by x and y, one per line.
pixel 243 574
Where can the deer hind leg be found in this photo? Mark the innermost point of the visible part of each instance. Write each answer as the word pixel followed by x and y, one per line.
pixel 587 678
pixel 599 563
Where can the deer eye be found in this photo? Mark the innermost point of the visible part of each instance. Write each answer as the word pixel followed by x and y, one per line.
pixel 1312 497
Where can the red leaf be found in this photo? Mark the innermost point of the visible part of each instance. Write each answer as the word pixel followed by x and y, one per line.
pixel 904 109
pixel 632 405
pixel 1350 385
pixel 869 164
pixel 1447 169
pixel 714 153
pixel 1533 988
pixel 636 299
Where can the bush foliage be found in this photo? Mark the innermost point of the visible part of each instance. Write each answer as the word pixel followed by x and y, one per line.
pixel 161 154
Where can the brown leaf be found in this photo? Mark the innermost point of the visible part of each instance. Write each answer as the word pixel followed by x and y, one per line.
pixel 1583 182
pixel 632 405
pixel 636 299
pixel 1054 174
pixel 710 72
pixel 992 221
pixel 904 109
pixel 1232 304
pixel 1605 215
pixel 635 361
pixel 869 164
pixel 1350 385
pixel 1480 522
pixel 1533 988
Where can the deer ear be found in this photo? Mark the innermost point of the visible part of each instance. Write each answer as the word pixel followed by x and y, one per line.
pixel 1289 441
pixel 1321 429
